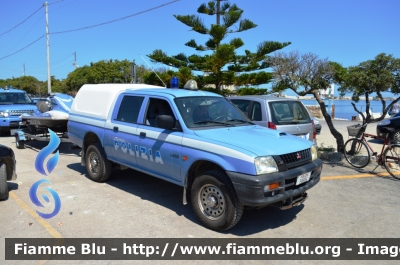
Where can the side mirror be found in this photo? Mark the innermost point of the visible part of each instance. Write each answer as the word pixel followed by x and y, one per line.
pixel 166 122
pixel 34 101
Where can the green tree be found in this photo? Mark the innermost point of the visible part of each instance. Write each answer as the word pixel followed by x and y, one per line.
pixel 28 83
pixel 252 91
pixel 307 74
pixel 373 76
pixel 111 71
pixel 222 65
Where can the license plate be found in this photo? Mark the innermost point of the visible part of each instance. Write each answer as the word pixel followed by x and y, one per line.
pixel 303 178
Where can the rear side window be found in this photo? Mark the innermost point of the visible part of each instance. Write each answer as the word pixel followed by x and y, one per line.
pixel 243 105
pixel 288 112
pixel 129 109
pixel 251 109
pixel 256 112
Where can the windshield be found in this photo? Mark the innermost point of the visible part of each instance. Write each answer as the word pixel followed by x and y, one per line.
pixel 288 112
pixel 8 98
pixel 209 111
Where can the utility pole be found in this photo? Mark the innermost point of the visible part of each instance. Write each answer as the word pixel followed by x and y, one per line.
pixel 134 78
pixel 218 11
pixel 48 48
pixel 74 63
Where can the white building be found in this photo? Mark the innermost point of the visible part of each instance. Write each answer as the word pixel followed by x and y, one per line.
pixel 328 93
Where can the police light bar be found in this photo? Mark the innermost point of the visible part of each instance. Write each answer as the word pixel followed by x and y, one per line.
pixel 191 85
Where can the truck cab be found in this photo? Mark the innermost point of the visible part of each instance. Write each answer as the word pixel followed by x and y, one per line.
pixel 13 103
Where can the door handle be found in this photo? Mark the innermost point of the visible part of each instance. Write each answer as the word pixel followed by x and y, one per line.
pixel 143 134
pixel 115 129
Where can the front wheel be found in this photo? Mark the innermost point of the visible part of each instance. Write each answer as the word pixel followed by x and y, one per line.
pixel 215 202
pixel 391 159
pixel 356 153
pixel 3 182
pixel 97 165
pixel 395 137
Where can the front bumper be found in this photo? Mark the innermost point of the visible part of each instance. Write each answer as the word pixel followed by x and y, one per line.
pixel 9 122
pixel 250 189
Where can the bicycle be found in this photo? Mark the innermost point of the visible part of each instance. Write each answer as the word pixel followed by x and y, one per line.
pixel 358 152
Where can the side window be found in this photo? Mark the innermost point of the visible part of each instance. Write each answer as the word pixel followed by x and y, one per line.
pixel 243 105
pixel 256 112
pixel 157 107
pixel 129 109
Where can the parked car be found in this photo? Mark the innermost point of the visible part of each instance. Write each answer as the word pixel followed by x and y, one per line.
pixel 13 103
pixel 392 122
pixel 7 170
pixel 285 114
pixel 317 125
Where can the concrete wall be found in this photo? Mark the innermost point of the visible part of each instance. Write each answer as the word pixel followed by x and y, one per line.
pixel 315 111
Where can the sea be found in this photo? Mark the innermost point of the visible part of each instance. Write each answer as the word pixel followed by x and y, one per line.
pixel 343 108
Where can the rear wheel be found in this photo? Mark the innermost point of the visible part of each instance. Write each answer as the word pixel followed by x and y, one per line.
pixel 356 153
pixel 3 182
pixel 215 202
pixel 98 166
pixel 391 159
pixel 20 144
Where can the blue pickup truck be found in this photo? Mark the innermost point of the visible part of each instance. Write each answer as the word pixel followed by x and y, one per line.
pixel 13 103
pixel 196 139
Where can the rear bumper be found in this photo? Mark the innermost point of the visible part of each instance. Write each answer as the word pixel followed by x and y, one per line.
pixel 250 189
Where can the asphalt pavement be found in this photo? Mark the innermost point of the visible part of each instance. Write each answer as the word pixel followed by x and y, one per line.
pixel 346 203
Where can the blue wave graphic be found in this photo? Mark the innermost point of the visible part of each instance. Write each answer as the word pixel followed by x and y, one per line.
pixel 35 200
pixel 45 152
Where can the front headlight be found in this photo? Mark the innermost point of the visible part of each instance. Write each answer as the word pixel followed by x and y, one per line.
pixel 4 114
pixel 265 165
pixel 314 153
pixel 384 122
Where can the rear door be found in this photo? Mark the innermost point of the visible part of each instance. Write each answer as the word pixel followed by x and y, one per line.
pixel 122 129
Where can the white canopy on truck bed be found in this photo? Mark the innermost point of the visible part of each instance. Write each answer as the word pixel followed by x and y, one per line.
pixel 96 99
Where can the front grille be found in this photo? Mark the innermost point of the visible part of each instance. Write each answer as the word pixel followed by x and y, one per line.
pixel 20 112
pixel 296 159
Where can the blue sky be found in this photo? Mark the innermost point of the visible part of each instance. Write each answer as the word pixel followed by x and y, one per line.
pixel 345 31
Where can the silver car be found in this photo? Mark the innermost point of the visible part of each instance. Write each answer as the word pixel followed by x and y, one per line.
pixel 285 114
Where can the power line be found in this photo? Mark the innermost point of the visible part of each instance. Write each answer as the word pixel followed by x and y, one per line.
pixel 22 48
pixel 104 23
pixel 115 20
pixel 21 22
pixel 27 32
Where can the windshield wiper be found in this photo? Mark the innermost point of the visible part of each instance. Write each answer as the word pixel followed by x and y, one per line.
pixel 210 121
pixel 243 121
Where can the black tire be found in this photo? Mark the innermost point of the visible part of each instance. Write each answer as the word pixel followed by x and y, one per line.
pixel 356 153
pixel 395 136
pixel 214 187
pixel 97 165
pixel 3 182
pixel 20 144
pixel 391 159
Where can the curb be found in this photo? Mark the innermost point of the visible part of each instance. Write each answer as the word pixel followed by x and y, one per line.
pixel 330 156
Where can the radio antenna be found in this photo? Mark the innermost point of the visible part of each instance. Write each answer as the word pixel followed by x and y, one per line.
pixel 153 71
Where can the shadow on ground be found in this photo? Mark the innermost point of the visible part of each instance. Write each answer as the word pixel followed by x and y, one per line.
pixel 169 195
